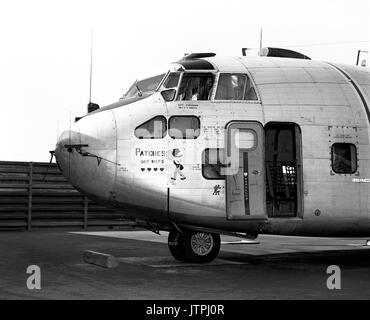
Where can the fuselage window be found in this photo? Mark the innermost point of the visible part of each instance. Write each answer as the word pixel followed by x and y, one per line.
pixel 245 139
pixel 184 127
pixel 154 128
pixel 196 86
pixel 344 158
pixel 235 87
pixel 212 162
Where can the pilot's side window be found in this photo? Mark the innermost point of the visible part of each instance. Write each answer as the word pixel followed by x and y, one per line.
pixel 212 162
pixel 184 127
pixel 344 158
pixel 235 87
pixel 154 128
pixel 196 86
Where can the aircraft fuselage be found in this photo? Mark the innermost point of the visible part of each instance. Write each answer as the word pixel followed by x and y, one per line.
pixel 295 153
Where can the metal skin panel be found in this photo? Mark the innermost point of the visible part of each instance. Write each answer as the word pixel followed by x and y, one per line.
pixel 228 64
pixel 86 173
pixel 273 75
pixel 323 103
pixel 141 187
pixel 195 195
pixel 361 79
pixel 326 94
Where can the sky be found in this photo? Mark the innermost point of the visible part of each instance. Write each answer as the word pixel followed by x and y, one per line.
pixel 45 51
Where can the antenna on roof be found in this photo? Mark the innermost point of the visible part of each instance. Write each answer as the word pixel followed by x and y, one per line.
pixel 91 106
pixel 358 57
pixel 91 61
pixel 244 50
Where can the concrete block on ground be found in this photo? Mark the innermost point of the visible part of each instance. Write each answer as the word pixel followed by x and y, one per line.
pixel 100 259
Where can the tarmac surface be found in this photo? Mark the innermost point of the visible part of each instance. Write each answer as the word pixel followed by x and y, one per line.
pixel 273 267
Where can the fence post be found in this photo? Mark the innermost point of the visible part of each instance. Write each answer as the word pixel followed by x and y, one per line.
pixel 86 212
pixel 29 216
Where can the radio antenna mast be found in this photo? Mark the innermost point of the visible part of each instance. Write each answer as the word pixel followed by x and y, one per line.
pixel 91 106
pixel 91 63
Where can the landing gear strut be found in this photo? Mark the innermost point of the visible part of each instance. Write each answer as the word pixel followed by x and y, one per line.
pixel 193 246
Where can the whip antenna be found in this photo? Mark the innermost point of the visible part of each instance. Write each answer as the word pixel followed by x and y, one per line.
pixel 91 62
pixel 91 106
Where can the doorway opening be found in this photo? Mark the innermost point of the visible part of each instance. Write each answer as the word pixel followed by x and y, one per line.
pixel 283 169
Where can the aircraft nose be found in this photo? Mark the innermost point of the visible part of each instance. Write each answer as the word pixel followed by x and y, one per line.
pixel 64 150
pixel 86 154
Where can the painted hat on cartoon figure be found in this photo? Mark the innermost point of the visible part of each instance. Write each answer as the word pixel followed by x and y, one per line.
pixel 176 153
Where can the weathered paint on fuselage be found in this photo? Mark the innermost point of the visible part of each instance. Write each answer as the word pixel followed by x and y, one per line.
pixel 135 174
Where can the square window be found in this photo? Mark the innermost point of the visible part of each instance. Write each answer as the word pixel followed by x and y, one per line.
pixel 245 139
pixel 154 128
pixel 344 158
pixel 184 127
pixel 235 87
pixel 212 162
pixel 196 86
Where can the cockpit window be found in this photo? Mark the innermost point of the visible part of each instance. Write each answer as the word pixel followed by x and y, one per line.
pixel 144 86
pixel 154 128
pixel 172 80
pixel 235 87
pixel 196 86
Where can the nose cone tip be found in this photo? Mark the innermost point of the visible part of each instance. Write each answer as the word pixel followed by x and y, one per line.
pixel 62 155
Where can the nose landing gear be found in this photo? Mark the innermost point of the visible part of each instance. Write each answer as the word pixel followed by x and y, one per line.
pixel 193 246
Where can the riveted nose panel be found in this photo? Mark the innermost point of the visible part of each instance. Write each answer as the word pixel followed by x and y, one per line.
pixel 62 151
pixel 90 163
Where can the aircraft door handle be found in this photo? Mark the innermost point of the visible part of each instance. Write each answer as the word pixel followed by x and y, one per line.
pixel 257 172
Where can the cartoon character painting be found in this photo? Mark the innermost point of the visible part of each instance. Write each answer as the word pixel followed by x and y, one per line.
pixel 175 155
pixel 216 190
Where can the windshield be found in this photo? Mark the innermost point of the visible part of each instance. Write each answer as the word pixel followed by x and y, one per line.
pixel 143 86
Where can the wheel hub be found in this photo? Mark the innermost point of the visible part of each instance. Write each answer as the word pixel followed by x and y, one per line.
pixel 201 243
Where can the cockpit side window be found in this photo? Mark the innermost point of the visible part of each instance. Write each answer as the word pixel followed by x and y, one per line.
pixel 235 87
pixel 154 128
pixel 196 86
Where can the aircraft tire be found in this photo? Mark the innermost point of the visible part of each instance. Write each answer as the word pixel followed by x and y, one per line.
pixel 176 245
pixel 201 247
pixel 194 246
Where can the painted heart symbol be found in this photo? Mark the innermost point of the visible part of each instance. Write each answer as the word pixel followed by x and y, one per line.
pixel 161 169
pixel 155 169
pixel 149 169
pixel 142 169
